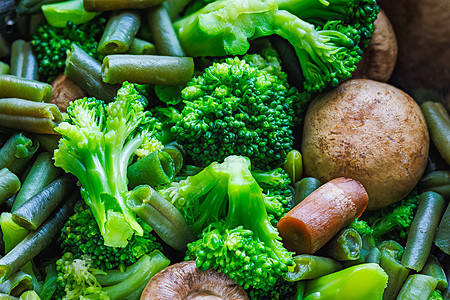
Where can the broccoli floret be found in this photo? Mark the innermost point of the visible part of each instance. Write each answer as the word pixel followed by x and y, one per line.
pixel 234 108
pixel 394 221
pixel 328 53
pixel 283 290
pixel 81 236
pixel 436 295
pixel 76 279
pixel 50 44
pixel 361 227
pixel 97 144
pixel 226 204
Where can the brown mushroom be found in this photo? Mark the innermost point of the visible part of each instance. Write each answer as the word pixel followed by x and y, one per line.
pixel 380 56
pixel 184 281
pixel 65 90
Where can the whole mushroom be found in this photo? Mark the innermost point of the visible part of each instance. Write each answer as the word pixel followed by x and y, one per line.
pixel 184 281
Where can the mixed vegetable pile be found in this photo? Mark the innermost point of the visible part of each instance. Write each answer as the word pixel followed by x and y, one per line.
pixel 156 150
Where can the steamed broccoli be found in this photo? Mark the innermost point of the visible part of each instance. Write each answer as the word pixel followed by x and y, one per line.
pixel 225 207
pixel 97 144
pixel 283 290
pixel 238 107
pixel 328 52
pixel 51 43
pixel 81 236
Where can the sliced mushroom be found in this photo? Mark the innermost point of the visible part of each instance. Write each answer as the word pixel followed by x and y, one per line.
pixel 65 90
pixel 184 281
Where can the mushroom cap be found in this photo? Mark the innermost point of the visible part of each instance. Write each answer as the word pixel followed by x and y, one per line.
pixel 184 281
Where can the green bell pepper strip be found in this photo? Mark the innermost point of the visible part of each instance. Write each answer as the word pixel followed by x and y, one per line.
pixel 119 32
pixel 24 88
pixel 423 230
pixel 23 63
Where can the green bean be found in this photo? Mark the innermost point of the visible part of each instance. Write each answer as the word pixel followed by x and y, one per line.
pixel 155 169
pixel 345 245
pixel 438 122
pixel 17 152
pixel 312 266
pixel 147 69
pixel 102 5
pixel 374 256
pixel 161 215
pixel 31 7
pixel 28 89
pixel 49 285
pixel 119 32
pixel 23 63
pixel 417 286
pixel 300 290
pixel 397 274
pixel 9 184
pixel 30 116
pixel 36 241
pixel 177 154
pixel 4 47
pixel 164 36
pixel 294 165
pixel 42 173
pixel 48 142
pixel 4 68
pixel 437 181
pixel 423 230
pixel 17 284
pixel 442 239
pixel 40 206
pixel 434 269
pixel 305 187
pixel 174 7
pixel 87 73
pixel 393 248
pixel 141 47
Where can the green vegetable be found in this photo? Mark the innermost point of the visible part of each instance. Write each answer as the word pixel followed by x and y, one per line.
pixel 49 284
pixel 24 88
pixel 97 143
pixel 51 43
pixel 238 106
pixel 434 269
pixel 396 272
pixel 436 181
pixel 17 152
pixel 305 187
pixel 81 236
pixel 17 284
pixel 417 286
pixel 364 281
pixel 9 184
pixel 157 168
pixel 312 267
pixel 4 68
pixel 438 122
pixel 294 165
pixel 59 14
pixel 442 239
pixel 141 47
pixel 225 208
pixel 345 245
pixel 23 62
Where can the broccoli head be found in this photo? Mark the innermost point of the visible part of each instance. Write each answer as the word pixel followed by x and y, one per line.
pixel 50 44
pixel 81 237
pixel 225 208
pixel 235 108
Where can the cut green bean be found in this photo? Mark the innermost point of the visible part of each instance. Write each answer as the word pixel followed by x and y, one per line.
pixel 164 36
pixel 31 7
pixel 17 152
pixel 437 181
pixel 423 230
pixel 393 248
pixel 17 284
pixel 417 286
pixel 434 269
pixel 23 63
pixel 9 184
pixel 87 73
pixel 120 31
pixel 28 89
pixel 311 267
pixel 294 165
pixel 177 154
pixel 147 69
pixel 438 122
pixel 4 68
pixel 174 7
pixel 155 169
pixel 161 215
pixel 345 245
pixel 39 207
pixel 442 239
pixel 397 274
pixel 103 5
pixel 374 256
pixel 30 116
pixel 48 142
pixel 141 47
pixel 36 241
pixel 42 173
pixel 305 187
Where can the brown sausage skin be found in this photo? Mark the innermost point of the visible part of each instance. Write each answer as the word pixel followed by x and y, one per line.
pixel 315 220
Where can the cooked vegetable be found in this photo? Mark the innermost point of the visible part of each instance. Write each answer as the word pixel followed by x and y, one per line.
pixel 17 152
pixel 315 220
pixel 9 184
pixel 65 90
pixel 100 5
pixel 423 230
pixel 305 187
pixel 97 143
pixel 28 89
pixel 417 286
pixel 17 284
pixel 436 181
pixel 434 269
pixel 312 267
pixel 4 68
pixel 396 272
pixel 442 239
pixel 141 47
pixel 241 106
pixel 294 165
pixel 155 169
pixel 344 246
pixel 60 13
pixel 368 131
pixel 23 63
